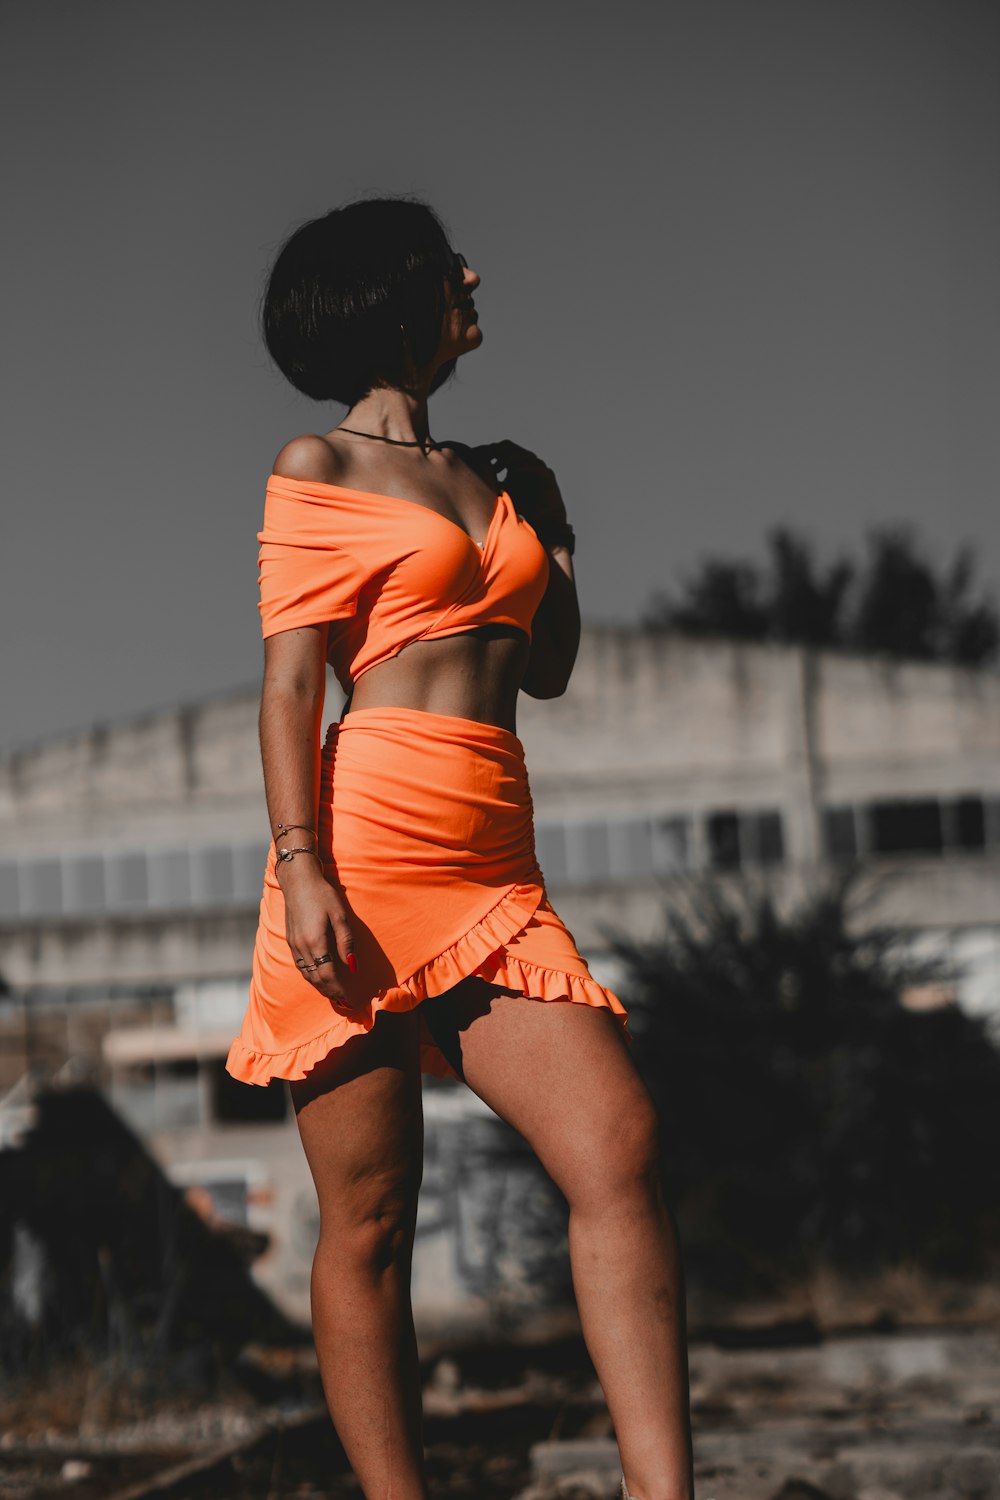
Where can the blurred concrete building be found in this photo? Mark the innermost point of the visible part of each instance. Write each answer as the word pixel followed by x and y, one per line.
pixel 132 855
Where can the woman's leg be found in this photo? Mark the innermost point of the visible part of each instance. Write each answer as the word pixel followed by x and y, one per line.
pixel 360 1118
pixel 560 1073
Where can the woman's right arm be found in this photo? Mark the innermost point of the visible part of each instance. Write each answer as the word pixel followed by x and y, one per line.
pixel 291 710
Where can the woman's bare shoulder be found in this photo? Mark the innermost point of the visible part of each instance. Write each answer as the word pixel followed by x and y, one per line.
pixel 309 457
pixel 478 459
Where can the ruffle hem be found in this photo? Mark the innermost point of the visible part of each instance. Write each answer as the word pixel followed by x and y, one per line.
pixel 479 951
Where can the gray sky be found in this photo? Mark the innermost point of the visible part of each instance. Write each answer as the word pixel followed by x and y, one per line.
pixel 739 264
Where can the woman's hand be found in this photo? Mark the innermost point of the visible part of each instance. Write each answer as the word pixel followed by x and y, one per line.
pixel 529 481
pixel 317 923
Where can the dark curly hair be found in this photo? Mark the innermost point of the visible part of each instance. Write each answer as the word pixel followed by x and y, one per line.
pixel 356 299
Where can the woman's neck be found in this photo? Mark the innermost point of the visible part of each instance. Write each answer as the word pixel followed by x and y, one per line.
pixel 391 413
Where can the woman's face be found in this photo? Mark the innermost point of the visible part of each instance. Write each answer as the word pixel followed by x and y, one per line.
pixel 460 330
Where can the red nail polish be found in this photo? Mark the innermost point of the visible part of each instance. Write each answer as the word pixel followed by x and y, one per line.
pixel 352 963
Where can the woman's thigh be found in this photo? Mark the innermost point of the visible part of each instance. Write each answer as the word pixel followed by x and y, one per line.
pixel 360 1118
pixel 561 1073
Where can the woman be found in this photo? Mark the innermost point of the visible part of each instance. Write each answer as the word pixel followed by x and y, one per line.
pixel 404 926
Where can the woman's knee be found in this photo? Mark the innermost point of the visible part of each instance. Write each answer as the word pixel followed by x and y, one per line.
pixel 622 1158
pixel 360 1118
pixel 372 1216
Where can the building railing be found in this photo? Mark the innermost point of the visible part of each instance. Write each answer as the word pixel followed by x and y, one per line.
pixel 593 851
pixel 573 853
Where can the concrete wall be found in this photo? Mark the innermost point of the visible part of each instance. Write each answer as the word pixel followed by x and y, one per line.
pixel 191 771
pixel 653 727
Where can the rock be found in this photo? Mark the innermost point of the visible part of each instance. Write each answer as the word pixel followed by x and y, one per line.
pixel 446 1377
pixel 589 1465
pixel 75 1469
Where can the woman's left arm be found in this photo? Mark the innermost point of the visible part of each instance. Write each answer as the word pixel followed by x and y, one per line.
pixel 555 630
pixel 555 627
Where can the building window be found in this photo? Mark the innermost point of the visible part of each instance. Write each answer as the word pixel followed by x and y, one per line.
pixel 734 838
pixel 550 848
pixel 906 827
pixel 127 881
pixel 212 875
pixel 966 823
pixel 162 1093
pixel 602 851
pixel 917 825
pixel 722 834
pixel 10 903
pixel 671 844
pixel 84 884
pixel 839 836
pixel 249 861
pixel 630 849
pixel 178 1093
pixel 588 861
pixel 169 879
pixel 767 844
pixel 41 888
pixel 991 821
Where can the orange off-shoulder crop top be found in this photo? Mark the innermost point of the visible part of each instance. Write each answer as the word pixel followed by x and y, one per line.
pixel 390 571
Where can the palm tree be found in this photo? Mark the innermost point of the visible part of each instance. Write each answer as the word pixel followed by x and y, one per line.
pixel 896 602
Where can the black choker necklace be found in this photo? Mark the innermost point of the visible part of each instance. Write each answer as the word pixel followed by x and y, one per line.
pixel 398 442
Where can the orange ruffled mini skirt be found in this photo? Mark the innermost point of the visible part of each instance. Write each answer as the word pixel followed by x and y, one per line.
pixel 426 825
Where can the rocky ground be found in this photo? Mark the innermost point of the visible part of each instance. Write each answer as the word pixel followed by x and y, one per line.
pixel 907 1415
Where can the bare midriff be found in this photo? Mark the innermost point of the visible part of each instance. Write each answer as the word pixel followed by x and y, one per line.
pixel 474 675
